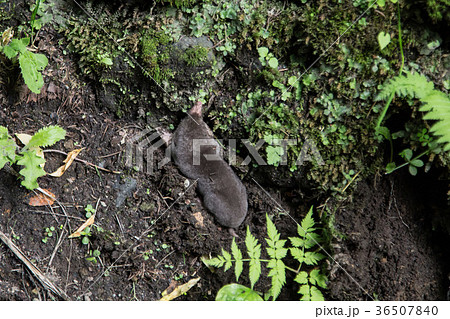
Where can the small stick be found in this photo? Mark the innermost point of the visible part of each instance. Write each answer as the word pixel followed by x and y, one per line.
pixel 83 161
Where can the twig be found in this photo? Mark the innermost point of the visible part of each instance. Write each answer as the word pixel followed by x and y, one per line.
pixel 45 282
pixel 83 161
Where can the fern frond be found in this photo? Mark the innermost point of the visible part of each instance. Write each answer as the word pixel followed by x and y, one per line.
pixel 437 106
pixel 227 256
pixel 237 255
pixel 217 262
pixel 436 103
pixel 278 274
pixel 413 85
pixel 254 252
pixel 276 251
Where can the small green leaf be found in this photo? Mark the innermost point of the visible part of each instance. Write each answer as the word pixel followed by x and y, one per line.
pixel 32 170
pixel 9 52
pixel 390 167
pixel 31 64
pixel 47 136
pixel 263 51
pixel 273 63
pixel 302 277
pixel 305 291
pixel 106 61
pixel 20 45
pixel 7 148
pixel 312 258
pixel 317 279
pixel 236 292
pixel 416 162
pixel 412 170
pixel 383 39
pixel 292 80
pixel 227 257
pixel 316 294
pixel 274 154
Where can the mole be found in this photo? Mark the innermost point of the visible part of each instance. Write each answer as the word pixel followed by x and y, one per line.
pixel 199 156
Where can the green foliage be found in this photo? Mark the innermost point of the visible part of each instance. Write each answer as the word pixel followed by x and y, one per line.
pixel 31 64
pixel 303 249
pixel 48 234
pixel 47 136
pixel 195 56
pixel 155 54
pixel 32 168
pixel 435 102
pixel 438 10
pixel 236 292
pixel 7 148
pixel 27 157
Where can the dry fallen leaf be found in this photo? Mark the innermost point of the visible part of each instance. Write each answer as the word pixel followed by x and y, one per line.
pixel 199 218
pixel 41 199
pixel 68 161
pixel 180 290
pixel 87 223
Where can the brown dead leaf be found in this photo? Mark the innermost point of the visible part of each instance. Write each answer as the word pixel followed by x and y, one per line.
pixel 87 223
pixel 180 290
pixel 68 161
pixel 41 199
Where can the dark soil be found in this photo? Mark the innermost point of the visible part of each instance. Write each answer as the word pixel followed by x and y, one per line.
pixel 391 250
pixel 155 230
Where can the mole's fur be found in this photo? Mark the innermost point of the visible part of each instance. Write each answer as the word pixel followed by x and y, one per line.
pixel 224 195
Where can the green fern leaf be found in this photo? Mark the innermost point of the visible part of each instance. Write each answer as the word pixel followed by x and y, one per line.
pixel 317 279
pixel 32 170
pixel 227 257
pixel 7 148
pixel 278 274
pixel 437 106
pixel 272 231
pixel 312 258
pixel 237 255
pixel 254 252
pixel 310 241
pixel 307 224
pixel 217 262
pixel 298 254
pixel 305 292
pixel 302 277
pixel 413 85
pixel 316 294
pixel 47 136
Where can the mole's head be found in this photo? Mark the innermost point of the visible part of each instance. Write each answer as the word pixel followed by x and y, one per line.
pixel 196 110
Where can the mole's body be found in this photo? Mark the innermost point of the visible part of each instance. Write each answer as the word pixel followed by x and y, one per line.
pixel 224 195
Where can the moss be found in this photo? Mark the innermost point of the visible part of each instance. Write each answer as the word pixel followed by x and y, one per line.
pixel 155 54
pixel 195 56
pixel 439 10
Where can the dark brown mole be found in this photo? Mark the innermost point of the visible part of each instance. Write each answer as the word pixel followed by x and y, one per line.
pixel 199 156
